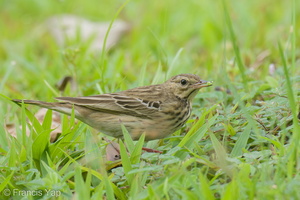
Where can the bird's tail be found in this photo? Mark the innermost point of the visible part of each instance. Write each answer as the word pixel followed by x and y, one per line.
pixel 62 107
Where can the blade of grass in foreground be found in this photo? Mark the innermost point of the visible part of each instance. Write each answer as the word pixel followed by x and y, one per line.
pixel 291 96
pixel 128 140
pixel 82 192
pixel 3 138
pixel 293 36
pixel 293 150
pixel 171 67
pixel 191 137
pixel 231 191
pixel 6 181
pixel 105 40
pixel 221 159
pixel 6 75
pixel 241 142
pixel 204 187
pixel 196 135
pixel 235 46
pixel 137 151
pixel 126 163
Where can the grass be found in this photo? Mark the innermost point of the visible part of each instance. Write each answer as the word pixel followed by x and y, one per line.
pixel 242 141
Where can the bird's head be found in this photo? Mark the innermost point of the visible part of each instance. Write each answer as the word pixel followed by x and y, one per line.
pixel 186 86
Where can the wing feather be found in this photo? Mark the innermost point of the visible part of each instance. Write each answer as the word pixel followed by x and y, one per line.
pixel 117 104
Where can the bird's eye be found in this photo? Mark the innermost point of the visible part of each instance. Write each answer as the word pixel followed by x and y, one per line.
pixel 183 82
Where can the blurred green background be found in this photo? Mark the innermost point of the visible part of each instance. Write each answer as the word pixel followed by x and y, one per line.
pixel 253 129
pixel 195 31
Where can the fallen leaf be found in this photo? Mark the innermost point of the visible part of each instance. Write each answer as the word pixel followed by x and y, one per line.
pixel 12 130
pixel 73 28
pixel 112 150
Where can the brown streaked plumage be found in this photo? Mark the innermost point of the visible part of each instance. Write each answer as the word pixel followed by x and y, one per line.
pixel 158 110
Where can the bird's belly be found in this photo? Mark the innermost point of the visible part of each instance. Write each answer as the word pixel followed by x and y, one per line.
pixel 111 125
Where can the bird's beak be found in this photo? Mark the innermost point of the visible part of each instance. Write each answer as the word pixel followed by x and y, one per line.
pixel 202 84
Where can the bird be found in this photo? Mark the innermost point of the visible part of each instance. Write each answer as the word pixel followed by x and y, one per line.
pixel 155 110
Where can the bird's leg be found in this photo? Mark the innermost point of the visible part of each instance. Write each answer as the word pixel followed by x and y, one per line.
pixel 151 150
pixel 113 150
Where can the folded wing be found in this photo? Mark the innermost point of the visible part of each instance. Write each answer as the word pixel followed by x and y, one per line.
pixel 117 104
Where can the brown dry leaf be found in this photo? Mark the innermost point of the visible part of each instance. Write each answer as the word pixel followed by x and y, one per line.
pixel 73 28
pixel 112 151
pixel 11 129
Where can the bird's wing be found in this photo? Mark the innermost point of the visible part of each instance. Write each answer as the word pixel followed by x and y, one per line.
pixel 116 103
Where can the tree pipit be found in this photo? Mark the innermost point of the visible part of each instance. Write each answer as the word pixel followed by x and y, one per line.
pixel 156 110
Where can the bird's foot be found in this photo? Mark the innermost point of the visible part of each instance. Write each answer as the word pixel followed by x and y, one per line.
pixel 151 150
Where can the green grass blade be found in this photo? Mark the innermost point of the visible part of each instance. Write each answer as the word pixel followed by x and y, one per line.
pixel 126 163
pixel 204 188
pixel 241 142
pixel 219 149
pixel 221 160
pixel 6 181
pixel 137 151
pixel 293 149
pixel 35 123
pixel 5 77
pixel 128 140
pixel 40 144
pixel 290 93
pixel 277 144
pixel 109 189
pixel 54 91
pixel 196 135
pixel 81 191
pixel 5 97
pixel 235 46
pixel 103 52
pixel 142 74
pixel 172 65
pixel 293 42
pixel 3 137
pixel 189 139
pixel 24 123
pixel 231 191
pixel 13 157
pixel 47 120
